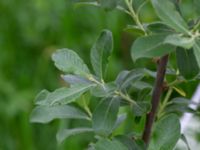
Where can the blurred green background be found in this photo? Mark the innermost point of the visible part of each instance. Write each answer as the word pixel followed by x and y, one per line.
pixel 30 31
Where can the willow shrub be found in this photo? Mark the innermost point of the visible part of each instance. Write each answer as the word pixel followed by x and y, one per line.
pixel 152 106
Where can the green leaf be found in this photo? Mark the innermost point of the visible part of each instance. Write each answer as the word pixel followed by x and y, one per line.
pixel 167 12
pixel 180 101
pixel 135 30
pixel 141 108
pixel 179 40
pixel 63 134
pixel 196 48
pixel 120 118
pixel 166 133
pixel 75 79
pixel 79 4
pixel 41 96
pixel 100 52
pixel 108 4
pixel 68 61
pixel 184 139
pixel 197 6
pixel 140 85
pixel 104 91
pixel 125 79
pixel 105 116
pixel 158 27
pixel 130 143
pixel 106 144
pixel 45 114
pixel 179 105
pixel 150 46
pixel 66 95
pixel 187 63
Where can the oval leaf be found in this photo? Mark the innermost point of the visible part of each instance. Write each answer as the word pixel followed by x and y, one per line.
pixel 68 61
pixel 150 46
pixel 167 12
pixel 45 114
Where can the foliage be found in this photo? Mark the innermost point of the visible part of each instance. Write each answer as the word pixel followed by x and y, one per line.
pixel 131 91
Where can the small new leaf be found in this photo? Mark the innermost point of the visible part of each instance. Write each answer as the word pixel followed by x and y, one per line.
pixel 106 144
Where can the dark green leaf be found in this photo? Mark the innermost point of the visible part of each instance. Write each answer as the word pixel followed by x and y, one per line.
pixel 150 46
pixel 45 114
pixel 187 63
pixel 100 52
pixel 158 27
pixel 65 133
pixel 166 133
pixel 68 61
pixel 105 144
pixel 167 12
pixel 105 116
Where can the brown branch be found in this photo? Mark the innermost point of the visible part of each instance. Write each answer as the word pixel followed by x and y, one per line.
pixel 155 98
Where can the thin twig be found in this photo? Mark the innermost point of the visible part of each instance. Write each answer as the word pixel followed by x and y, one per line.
pixel 155 98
